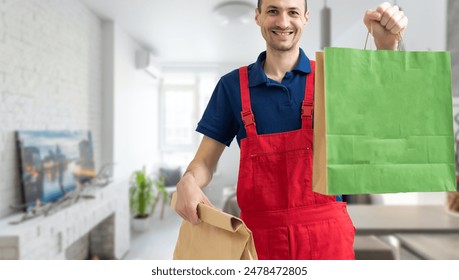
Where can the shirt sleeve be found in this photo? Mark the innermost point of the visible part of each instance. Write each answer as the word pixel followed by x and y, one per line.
pixel 218 121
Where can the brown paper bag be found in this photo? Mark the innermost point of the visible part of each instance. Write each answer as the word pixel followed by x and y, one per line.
pixel 219 236
pixel 319 175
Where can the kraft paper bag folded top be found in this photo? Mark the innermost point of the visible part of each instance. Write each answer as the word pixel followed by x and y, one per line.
pixel 383 122
pixel 219 236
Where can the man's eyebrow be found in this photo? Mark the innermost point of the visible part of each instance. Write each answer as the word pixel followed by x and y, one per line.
pixel 290 9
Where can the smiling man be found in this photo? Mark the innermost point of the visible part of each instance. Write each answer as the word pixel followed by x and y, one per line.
pixel 267 106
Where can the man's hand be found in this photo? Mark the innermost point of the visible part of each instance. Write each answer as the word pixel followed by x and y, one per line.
pixel 387 24
pixel 189 195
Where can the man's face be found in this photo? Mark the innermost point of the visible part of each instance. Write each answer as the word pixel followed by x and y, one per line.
pixel 282 23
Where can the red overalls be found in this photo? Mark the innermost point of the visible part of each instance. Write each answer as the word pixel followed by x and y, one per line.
pixel 288 220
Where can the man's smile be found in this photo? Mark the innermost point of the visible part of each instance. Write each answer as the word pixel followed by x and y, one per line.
pixel 282 33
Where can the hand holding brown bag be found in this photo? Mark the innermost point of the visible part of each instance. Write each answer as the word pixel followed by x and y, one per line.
pixel 219 236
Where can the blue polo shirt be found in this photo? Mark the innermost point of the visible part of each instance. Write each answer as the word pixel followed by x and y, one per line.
pixel 276 106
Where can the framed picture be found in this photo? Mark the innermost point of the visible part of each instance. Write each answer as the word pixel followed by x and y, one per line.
pixel 53 163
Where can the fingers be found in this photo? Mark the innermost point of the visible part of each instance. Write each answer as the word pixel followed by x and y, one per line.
pixel 192 214
pixel 383 7
pixel 391 18
pixel 187 206
pixel 370 15
pixel 399 26
pixel 388 15
pixel 189 213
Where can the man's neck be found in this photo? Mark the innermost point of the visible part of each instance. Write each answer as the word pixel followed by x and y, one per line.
pixel 278 63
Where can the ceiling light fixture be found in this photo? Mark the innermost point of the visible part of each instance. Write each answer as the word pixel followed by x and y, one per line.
pixel 234 12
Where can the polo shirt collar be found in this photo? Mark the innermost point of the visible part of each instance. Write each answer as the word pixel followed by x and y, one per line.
pixel 257 75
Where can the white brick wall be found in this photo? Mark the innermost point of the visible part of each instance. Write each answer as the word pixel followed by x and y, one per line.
pixel 50 77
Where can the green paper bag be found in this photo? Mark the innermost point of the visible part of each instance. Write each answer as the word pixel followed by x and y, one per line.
pixel 383 122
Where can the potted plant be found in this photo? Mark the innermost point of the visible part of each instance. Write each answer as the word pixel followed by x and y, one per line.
pixel 144 195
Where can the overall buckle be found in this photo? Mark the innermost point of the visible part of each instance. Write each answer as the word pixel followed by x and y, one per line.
pixel 307 110
pixel 247 118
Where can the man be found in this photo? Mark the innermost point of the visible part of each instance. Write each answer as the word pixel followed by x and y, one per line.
pixel 267 106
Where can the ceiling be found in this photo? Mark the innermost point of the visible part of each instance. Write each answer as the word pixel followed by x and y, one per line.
pixel 188 31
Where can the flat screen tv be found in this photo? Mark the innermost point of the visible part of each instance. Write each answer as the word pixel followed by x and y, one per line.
pixel 53 163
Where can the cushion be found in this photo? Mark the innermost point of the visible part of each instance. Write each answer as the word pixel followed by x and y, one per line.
pixel 171 175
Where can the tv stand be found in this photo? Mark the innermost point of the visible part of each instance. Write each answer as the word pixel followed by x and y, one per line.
pixel 49 237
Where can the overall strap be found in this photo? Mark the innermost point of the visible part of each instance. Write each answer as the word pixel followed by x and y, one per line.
pixel 246 113
pixel 307 108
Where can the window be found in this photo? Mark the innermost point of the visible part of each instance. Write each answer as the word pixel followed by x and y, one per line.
pixel 178 116
pixel 183 99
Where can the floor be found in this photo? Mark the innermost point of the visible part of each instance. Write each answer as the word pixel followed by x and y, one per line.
pixel 158 242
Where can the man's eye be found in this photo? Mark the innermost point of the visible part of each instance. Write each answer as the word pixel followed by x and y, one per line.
pixel 294 13
pixel 272 12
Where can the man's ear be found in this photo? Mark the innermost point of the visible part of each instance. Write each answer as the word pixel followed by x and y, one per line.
pixel 257 16
pixel 306 17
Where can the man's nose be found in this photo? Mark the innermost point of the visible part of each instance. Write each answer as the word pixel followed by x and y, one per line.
pixel 282 20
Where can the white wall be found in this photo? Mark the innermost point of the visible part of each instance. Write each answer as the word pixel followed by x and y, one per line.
pixel 50 78
pixel 130 116
pixel 135 110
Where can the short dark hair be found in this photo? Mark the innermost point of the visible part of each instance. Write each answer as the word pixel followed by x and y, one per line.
pixel 305 5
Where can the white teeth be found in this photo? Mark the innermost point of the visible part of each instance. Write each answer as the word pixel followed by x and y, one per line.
pixel 283 33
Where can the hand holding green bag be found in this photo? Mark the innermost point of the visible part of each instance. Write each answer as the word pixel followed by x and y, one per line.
pixel 383 122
